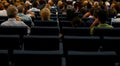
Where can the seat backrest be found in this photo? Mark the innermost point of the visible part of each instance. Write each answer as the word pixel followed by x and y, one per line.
pixel 110 44
pixel 12 36
pixel 41 43
pixel 76 31
pixel 78 43
pixel 92 58
pixel 116 24
pixel 35 58
pixel 38 30
pixel 106 31
pixel 3 18
pixel 9 42
pixel 45 23
pixel 3 58
pixel 65 23
pixel 13 30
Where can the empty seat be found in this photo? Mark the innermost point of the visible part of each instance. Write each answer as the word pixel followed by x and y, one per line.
pixel 3 58
pixel 110 44
pixel 106 31
pixel 11 36
pixel 92 59
pixel 41 43
pixel 9 42
pixel 36 58
pixel 80 43
pixel 65 23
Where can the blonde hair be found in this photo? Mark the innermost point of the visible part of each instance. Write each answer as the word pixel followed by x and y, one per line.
pixel 45 14
pixel 60 3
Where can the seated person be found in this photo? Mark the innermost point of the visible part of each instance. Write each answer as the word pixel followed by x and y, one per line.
pixel 102 17
pixel 76 22
pixel 24 17
pixel 13 19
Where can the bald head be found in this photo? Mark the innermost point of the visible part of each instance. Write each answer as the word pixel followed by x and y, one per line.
pixel 12 11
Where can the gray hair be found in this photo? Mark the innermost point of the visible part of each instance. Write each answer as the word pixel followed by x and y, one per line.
pixel 12 11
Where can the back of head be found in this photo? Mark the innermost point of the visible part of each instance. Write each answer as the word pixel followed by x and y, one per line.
pixel 70 12
pixel 50 2
pixel 45 14
pixel 12 11
pixel 6 5
pixel 20 9
pixel 102 16
pixel 59 3
pixel 1 6
pixel 76 22
pixel 34 4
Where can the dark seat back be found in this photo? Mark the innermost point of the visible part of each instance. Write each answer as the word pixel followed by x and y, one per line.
pixel 92 58
pixel 41 43
pixel 13 30
pixel 37 30
pixel 12 37
pixel 78 31
pixel 106 31
pixel 81 43
pixel 34 58
pixel 45 23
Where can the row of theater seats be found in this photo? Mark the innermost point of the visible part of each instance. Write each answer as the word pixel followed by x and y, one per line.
pixel 63 21
pixel 18 49
pixel 43 47
pixel 83 49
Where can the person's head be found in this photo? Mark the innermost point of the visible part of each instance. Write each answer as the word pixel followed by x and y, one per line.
pixel 48 6
pixel 59 4
pixel 102 16
pixel 50 2
pixel 96 4
pixel 20 9
pixel 35 4
pixel 45 14
pixel 70 12
pixel 12 11
pixel 6 5
pixel 76 22
pixel 1 6
pixel 113 5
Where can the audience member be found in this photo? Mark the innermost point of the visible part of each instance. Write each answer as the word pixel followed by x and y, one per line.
pixel 2 10
pixel 23 17
pixel 13 19
pixel 76 22
pixel 34 7
pixel 102 18
pixel 45 14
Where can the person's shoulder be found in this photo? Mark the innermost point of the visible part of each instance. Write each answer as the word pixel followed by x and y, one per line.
pixel 4 23
pixel 110 26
